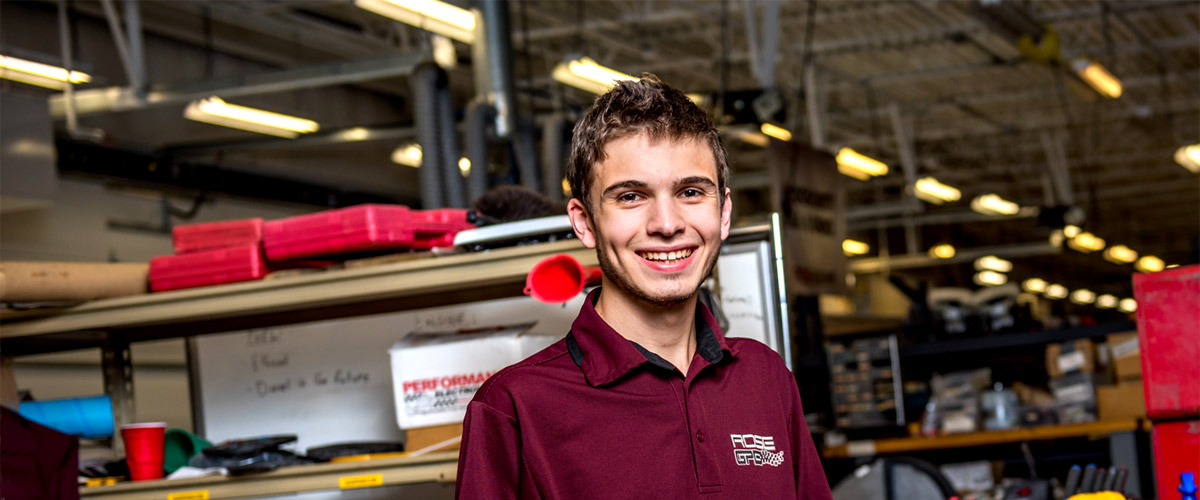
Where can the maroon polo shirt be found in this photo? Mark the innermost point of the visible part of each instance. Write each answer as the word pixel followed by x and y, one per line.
pixel 598 416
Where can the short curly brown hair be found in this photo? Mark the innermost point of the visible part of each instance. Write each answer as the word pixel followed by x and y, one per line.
pixel 646 106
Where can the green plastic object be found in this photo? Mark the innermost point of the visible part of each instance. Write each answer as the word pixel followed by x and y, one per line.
pixel 179 446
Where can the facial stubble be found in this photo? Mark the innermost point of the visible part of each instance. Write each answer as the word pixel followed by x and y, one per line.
pixel 622 280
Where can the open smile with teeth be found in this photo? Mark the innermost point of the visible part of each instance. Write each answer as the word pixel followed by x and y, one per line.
pixel 667 257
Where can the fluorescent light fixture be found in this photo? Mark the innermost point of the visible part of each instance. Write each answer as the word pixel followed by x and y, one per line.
pixel 1083 296
pixel 754 138
pixel 1071 231
pixel 586 74
pixel 932 191
pixel 773 130
pixel 1086 243
pixel 1127 305
pixel 1189 157
pixel 1150 264
pixel 218 112
pixel 1120 254
pixel 354 134
pixel 993 204
pixel 993 263
pixel 1056 238
pixel 943 251
pixel 444 53
pixel 430 15
pixel 1106 301
pixel 859 166
pixel 409 155
pixel 41 75
pixel 1056 291
pixel 1098 77
pixel 853 247
pixel 1034 285
pixel 464 166
pixel 990 278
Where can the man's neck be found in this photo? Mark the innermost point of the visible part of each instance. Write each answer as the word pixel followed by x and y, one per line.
pixel 668 331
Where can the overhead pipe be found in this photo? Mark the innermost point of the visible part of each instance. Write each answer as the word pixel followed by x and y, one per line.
pixel 452 179
pixel 114 25
pixel 424 82
pixel 479 113
pixel 554 155
pixel 493 58
pixel 64 41
pixel 526 153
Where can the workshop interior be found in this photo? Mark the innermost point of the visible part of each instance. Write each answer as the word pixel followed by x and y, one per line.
pixel 270 249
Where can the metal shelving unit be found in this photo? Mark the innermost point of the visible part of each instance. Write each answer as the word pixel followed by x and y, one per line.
pixel 113 324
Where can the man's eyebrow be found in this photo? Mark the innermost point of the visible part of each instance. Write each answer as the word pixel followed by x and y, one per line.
pixel 697 180
pixel 623 185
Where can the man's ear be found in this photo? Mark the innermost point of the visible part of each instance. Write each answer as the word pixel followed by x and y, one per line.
pixel 726 215
pixel 581 223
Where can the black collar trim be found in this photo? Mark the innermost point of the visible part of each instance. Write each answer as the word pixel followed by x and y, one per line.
pixel 706 344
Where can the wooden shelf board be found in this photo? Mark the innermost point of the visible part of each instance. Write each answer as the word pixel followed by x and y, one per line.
pixel 458 274
pixel 900 445
pixel 434 467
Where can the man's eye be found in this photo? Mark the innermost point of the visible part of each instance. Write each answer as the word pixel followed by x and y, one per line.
pixel 627 197
pixel 692 193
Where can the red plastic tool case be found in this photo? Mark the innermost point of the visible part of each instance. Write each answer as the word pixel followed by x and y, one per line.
pixel 353 229
pixel 360 228
pixel 209 267
pixel 1169 337
pixel 210 235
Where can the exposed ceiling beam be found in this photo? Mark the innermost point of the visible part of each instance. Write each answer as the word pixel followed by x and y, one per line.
pixel 112 99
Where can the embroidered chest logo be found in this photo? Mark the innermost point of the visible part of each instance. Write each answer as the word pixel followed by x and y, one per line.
pixel 751 449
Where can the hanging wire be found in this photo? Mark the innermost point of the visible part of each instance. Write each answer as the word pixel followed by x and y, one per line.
pixel 528 57
pixel 579 41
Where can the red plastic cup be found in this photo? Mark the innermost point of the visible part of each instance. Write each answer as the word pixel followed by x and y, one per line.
pixel 144 450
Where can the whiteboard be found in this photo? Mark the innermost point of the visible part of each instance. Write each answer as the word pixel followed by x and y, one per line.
pixel 330 381
pixel 742 293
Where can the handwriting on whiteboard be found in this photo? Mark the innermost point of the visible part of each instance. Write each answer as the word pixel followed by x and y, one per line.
pixel 341 377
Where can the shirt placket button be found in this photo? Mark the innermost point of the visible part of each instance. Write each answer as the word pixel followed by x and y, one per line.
pixel 700 436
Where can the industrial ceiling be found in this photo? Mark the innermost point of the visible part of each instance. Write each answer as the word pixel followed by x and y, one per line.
pixel 943 82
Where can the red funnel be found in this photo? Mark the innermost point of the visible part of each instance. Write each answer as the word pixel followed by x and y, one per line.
pixel 558 278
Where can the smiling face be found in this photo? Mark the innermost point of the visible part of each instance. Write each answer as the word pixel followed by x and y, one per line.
pixel 656 219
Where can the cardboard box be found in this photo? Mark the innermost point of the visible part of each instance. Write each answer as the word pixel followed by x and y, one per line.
pixel 435 376
pixel 1075 397
pixel 425 437
pixel 1126 400
pixel 1125 355
pixel 1070 357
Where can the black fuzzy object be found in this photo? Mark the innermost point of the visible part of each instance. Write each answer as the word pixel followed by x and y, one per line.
pixel 513 203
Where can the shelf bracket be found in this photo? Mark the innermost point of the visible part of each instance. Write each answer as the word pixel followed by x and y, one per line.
pixel 118 384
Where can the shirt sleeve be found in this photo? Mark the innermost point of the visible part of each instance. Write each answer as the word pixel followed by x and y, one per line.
pixel 489 460
pixel 811 483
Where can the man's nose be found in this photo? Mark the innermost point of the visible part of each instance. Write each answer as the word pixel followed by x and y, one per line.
pixel 665 218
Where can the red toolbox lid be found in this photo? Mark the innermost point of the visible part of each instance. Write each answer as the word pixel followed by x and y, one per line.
pixel 332 232
pixel 209 267
pixel 209 235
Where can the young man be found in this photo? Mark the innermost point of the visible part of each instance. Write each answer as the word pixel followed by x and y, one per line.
pixel 645 397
